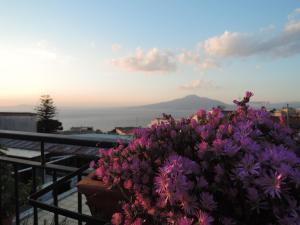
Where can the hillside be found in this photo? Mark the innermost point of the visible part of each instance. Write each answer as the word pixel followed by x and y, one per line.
pixel 190 102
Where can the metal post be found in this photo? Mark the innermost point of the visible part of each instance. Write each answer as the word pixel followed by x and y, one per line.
pixel 55 201
pixel 79 196
pixel 34 189
pixel 0 197
pixel 43 161
pixel 16 175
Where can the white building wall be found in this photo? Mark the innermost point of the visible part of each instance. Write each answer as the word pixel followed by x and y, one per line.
pixel 18 122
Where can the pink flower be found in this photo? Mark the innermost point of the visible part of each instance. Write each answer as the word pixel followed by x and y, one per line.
pixel 194 123
pixel 116 167
pixel 124 166
pixel 204 218
pixel 92 164
pixel 128 184
pixel 201 169
pixel 138 221
pixel 201 113
pixel 184 221
pixel 248 94
pixel 116 219
pixel 100 171
pixel 203 146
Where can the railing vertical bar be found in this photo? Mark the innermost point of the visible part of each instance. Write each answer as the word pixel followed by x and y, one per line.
pixel 34 189
pixel 16 175
pixel 55 201
pixel 43 161
pixel 0 197
pixel 79 196
pixel 79 199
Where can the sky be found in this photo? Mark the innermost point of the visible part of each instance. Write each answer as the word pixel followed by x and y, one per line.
pixel 121 53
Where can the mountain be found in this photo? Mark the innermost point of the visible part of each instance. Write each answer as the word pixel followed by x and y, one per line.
pixel 190 103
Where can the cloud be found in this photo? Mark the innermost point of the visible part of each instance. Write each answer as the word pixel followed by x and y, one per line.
pixel 155 60
pixel 116 47
pixel 194 58
pixel 235 44
pixel 198 84
pixel 189 57
pixel 208 55
pixel 208 64
pixel 34 54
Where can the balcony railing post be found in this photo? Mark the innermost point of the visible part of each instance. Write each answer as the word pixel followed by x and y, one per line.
pixel 79 196
pixel 16 175
pixel 0 197
pixel 39 169
pixel 34 189
pixel 43 161
pixel 55 200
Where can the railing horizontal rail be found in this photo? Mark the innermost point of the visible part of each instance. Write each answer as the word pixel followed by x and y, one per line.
pixel 35 164
pixel 59 139
pixel 53 166
pixel 43 191
pixel 33 200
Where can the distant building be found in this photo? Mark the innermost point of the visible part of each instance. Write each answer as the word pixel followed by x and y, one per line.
pixel 18 121
pixel 290 115
pixel 158 121
pixel 82 129
pixel 123 131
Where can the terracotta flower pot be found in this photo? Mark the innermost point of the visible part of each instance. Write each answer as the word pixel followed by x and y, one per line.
pixel 102 202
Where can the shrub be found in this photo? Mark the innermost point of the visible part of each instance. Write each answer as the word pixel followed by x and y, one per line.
pixel 208 169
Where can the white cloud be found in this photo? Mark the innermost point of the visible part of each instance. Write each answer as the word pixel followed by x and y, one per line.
pixel 194 58
pixel 235 44
pixel 116 47
pixel 189 57
pixel 198 84
pixel 36 55
pixel 208 64
pixel 154 60
pixel 208 55
pixel 231 44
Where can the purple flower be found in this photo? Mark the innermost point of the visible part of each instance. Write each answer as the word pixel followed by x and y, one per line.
pixel 184 221
pixel 207 201
pixel 202 169
pixel 204 218
pixel 248 167
pixel 230 148
pixel 272 184
pixel 172 183
pixel 189 204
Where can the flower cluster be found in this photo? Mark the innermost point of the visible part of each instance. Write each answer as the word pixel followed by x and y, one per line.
pixel 239 168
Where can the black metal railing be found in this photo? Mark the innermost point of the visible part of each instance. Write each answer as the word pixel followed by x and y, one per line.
pixel 42 165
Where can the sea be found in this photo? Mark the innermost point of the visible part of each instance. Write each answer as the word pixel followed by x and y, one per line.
pixel 107 119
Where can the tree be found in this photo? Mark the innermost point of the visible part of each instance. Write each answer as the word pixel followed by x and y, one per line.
pixel 46 111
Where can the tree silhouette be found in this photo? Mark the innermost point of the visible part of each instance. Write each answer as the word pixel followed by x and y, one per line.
pixel 46 111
